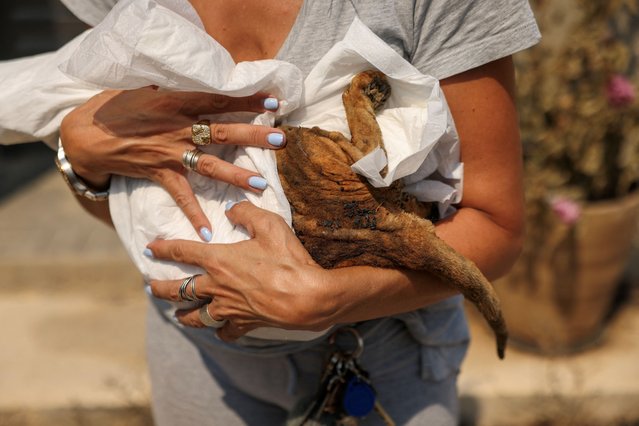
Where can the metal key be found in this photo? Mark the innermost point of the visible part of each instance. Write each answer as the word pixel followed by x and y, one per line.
pixel 329 402
pixel 360 397
pixel 383 414
pixel 346 393
pixel 331 381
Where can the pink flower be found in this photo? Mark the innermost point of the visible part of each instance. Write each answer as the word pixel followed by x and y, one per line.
pixel 620 91
pixel 566 209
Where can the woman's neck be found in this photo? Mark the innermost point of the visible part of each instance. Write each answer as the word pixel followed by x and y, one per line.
pixel 249 29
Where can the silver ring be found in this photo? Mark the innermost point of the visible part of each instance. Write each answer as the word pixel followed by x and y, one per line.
pixel 182 291
pixel 188 284
pixel 193 295
pixel 208 320
pixel 190 158
pixel 201 133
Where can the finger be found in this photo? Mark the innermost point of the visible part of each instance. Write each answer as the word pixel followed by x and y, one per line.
pixel 254 219
pixel 167 290
pixel 247 134
pixel 189 317
pixel 170 289
pixel 181 251
pixel 233 331
pixel 180 190
pixel 193 317
pixel 241 134
pixel 195 103
pixel 217 169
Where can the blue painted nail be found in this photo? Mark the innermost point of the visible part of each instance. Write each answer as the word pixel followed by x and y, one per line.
pixel 275 139
pixel 206 234
pixel 271 104
pixel 230 205
pixel 147 290
pixel 257 182
pixel 148 253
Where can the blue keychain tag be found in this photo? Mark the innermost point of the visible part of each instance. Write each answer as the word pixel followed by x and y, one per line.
pixel 359 397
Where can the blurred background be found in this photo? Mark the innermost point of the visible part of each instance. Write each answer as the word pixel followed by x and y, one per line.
pixel 71 303
pixel 72 306
pixel 29 27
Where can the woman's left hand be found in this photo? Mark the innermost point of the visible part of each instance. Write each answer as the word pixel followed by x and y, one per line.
pixel 267 281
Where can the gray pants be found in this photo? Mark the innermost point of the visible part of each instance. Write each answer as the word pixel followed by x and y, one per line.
pixel 199 381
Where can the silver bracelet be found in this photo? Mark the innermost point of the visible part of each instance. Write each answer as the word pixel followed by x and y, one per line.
pixel 77 185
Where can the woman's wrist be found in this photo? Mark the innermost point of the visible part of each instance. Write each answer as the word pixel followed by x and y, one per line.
pixel 81 155
pixel 80 186
pixel 93 178
pixel 344 296
pixel 98 182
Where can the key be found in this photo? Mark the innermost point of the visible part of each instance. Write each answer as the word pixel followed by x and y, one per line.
pixel 331 382
pixel 360 398
pixel 346 393
pixel 316 406
pixel 328 404
pixel 383 414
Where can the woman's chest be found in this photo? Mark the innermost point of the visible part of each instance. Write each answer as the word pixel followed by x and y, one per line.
pixel 249 29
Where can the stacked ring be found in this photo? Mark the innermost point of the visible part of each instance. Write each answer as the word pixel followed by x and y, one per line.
pixel 201 132
pixel 190 158
pixel 208 320
pixel 188 284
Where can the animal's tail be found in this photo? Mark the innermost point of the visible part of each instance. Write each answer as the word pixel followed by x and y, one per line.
pixel 459 271
pixel 368 91
pixel 445 263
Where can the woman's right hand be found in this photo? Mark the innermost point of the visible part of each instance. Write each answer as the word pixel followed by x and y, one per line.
pixel 143 133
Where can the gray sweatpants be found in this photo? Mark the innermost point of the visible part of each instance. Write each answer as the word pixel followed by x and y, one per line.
pixel 199 381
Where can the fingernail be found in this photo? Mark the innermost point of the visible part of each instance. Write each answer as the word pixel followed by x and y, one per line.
pixel 230 205
pixel 257 182
pixel 206 234
pixel 271 104
pixel 147 290
pixel 148 253
pixel 275 139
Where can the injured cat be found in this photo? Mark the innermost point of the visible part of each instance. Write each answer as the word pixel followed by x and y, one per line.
pixel 344 221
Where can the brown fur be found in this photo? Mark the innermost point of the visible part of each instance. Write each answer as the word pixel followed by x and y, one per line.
pixel 343 221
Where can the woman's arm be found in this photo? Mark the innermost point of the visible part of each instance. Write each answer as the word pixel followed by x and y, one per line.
pixel 270 280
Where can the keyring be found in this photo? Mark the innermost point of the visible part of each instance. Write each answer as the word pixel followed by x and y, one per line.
pixel 355 353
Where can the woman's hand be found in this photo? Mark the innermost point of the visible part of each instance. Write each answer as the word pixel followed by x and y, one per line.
pixel 143 133
pixel 267 281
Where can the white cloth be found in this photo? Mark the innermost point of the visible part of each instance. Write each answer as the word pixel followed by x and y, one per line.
pixel 36 96
pixel 162 42
pixel 90 11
